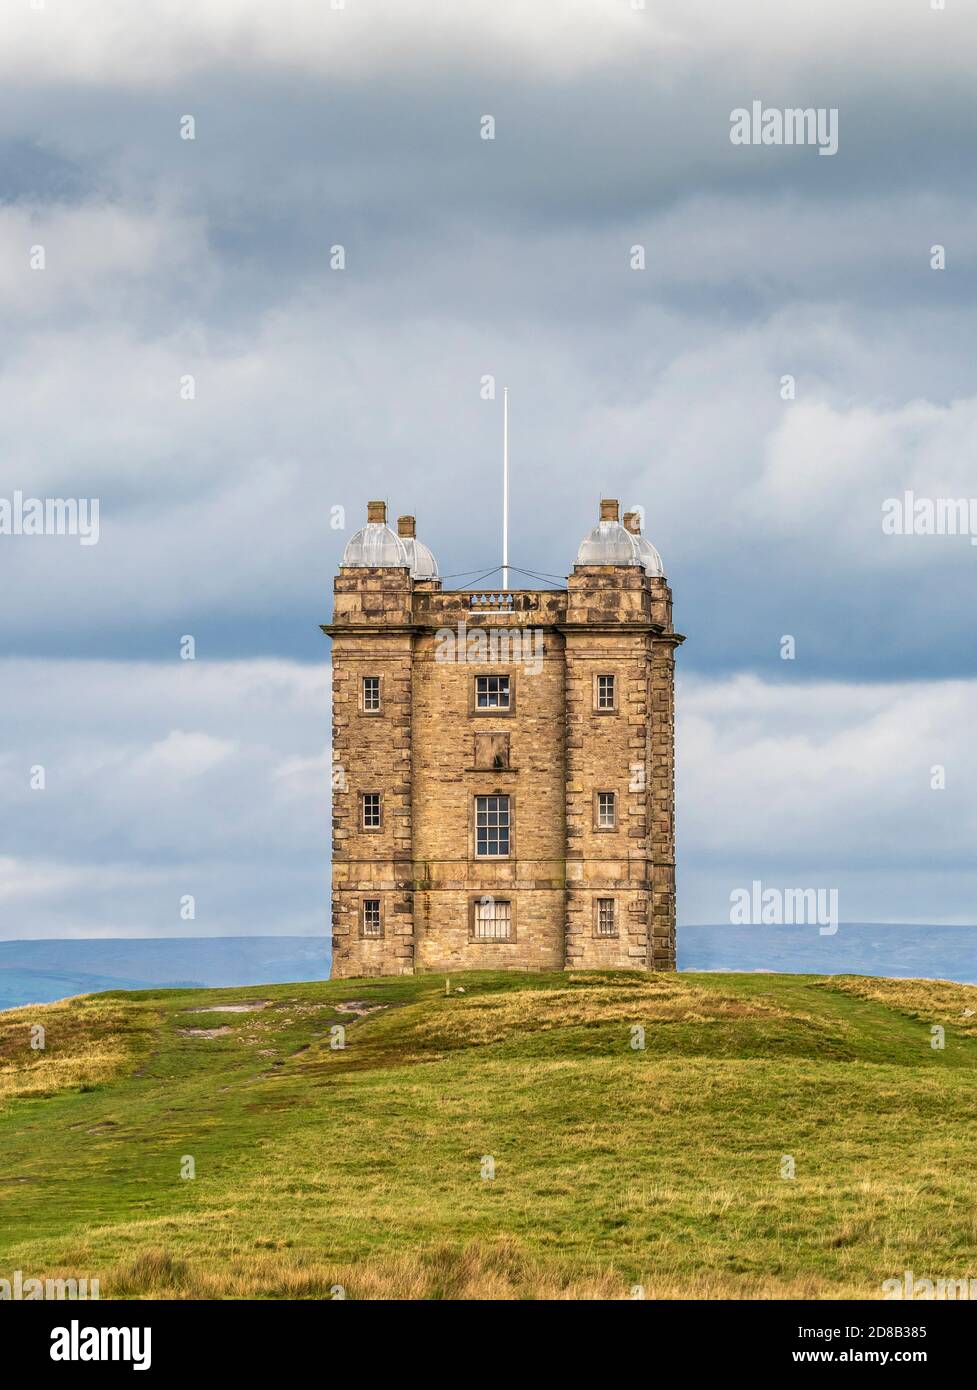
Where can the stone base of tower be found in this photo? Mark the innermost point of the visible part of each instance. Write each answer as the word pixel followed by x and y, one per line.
pixel 645 935
pixel 430 932
pixel 662 940
pixel 360 965
pixel 445 919
pixel 355 954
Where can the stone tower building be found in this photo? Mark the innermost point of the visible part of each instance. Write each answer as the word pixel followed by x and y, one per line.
pixel 503 766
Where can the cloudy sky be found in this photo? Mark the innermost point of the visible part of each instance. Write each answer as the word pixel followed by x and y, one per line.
pixel 316 388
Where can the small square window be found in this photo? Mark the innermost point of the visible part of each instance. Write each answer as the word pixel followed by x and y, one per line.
pixel 606 694
pixel 606 810
pixel 372 925
pixel 371 810
pixel 605 924
pixel 492 826
pixel 492 920
pixel 371 694
pixel 492 692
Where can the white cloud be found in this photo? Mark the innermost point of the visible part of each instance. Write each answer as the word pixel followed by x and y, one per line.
pixel 162 780
pixel 211 779
pixel 24 883
pixel 180 756
pixel 110 41
pixel 98 257
pixel 222 504
pixel 828 784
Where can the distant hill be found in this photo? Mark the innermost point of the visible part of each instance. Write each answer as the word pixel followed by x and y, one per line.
pixel 862 948
pixel 42 971
pixel 575 1135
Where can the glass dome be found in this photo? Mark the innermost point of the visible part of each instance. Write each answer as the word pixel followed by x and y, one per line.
pixel 609 544
pixel 375 544
pixel 650 558
pixel 422 563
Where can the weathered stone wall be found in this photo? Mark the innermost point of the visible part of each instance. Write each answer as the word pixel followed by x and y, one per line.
pixel 372 753
pixel 420 752
pixel 608 617
pixel 661 800
pixel 445 783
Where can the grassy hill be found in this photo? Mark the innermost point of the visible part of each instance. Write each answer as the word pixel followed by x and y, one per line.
pixel 614 1166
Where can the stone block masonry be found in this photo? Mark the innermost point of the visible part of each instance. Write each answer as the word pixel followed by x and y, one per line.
pixel 525 822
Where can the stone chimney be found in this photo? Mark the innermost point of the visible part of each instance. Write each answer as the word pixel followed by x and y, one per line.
pixel 609 509
pixel 406 526
pixel 631 523
pixel 376 511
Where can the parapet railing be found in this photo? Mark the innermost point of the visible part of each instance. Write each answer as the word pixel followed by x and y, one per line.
pixel 502 601
pixel 545 605
pixel 495 603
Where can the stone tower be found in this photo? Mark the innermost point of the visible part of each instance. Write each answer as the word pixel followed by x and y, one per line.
pixel 503 763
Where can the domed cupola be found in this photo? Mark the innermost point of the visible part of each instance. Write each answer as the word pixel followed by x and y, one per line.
pixel 609 543
pixel 650 558
pixel 422 563
pixel 375 544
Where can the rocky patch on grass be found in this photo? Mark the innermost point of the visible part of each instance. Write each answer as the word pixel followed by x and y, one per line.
pixel 249 1008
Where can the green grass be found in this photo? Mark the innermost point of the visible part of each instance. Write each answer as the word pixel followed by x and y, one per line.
pixel 362 1167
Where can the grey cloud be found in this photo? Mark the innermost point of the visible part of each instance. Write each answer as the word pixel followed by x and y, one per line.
pixel 466 257
pixel 211 778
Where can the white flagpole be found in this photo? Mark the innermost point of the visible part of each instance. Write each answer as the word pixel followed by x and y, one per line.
pixel 505 487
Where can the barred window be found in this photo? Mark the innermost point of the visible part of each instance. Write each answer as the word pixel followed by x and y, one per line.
pixel 371 917
pixel 606 925
pixel 605 692
pixel 606 810
pixel 492 920
pixel 492 826
pixel 371 693
pixel 492 692
pixel 371 810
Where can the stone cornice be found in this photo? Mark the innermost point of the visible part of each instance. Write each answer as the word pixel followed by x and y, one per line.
pixel 418 629
pixel 611 628
pixel 370 629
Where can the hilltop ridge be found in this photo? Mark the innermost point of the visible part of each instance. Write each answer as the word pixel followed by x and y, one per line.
pixel 572 1135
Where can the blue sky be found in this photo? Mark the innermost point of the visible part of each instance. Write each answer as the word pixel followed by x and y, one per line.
pixel 318 388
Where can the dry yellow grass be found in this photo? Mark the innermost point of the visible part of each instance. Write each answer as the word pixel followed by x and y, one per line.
pixel 931 1001
pixel 588 1001
pixel 493 1270
pixel 84 1043
pixel 493 1017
